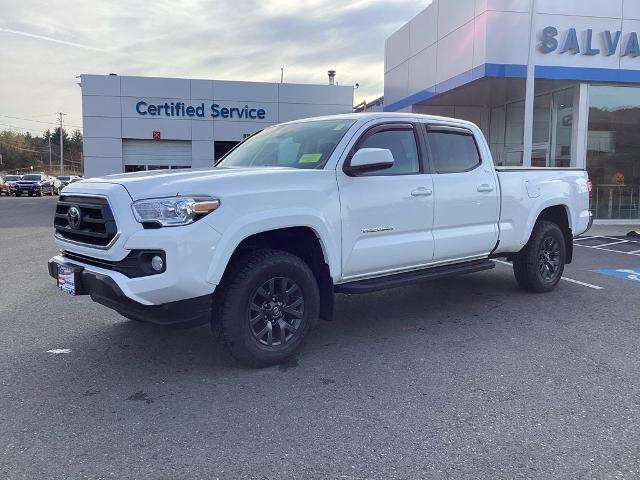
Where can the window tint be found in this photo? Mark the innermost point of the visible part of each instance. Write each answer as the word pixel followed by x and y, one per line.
pixel 453 152
pixel 402 144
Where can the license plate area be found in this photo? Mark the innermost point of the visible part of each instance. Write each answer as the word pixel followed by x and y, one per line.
pixel 68 279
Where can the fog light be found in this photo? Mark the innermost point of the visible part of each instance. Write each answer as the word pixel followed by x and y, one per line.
pixel 157 264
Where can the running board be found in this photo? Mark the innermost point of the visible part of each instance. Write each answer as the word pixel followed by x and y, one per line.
pixel 407 278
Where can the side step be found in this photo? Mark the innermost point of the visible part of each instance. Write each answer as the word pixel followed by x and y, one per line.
pixel 402 279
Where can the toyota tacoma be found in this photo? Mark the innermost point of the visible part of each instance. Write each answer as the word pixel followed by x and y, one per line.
pixel 259 244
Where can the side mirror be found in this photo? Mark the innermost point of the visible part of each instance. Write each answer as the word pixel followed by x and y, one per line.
pixel 369 160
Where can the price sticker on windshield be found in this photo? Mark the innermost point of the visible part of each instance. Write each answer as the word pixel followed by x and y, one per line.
pixel 310 158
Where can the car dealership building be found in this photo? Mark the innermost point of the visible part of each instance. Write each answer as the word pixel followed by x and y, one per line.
pixel 551 83
pixel 141 123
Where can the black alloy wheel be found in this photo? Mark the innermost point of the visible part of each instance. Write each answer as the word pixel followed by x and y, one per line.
pixel 276 312
pixel 549 258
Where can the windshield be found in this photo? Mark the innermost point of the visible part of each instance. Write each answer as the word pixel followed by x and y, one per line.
pixel 32 178
pixel 12 178
pixel 298 145
pixel 64 179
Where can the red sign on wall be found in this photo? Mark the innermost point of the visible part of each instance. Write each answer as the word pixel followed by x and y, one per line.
pixel 156 135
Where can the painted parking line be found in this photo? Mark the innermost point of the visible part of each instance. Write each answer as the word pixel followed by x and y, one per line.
pixel 597 237
pixel 610 244
pixel 637 254
pixel 566 279
pixel 632 274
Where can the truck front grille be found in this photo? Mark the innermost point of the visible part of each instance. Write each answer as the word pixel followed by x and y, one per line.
pixel 86 220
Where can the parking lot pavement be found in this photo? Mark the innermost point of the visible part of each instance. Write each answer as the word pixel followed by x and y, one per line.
pixel 463 378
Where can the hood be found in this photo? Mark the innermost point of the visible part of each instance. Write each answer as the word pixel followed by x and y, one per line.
pixel 161 183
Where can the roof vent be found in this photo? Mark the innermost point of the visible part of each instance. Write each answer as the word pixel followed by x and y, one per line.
pixel 332 77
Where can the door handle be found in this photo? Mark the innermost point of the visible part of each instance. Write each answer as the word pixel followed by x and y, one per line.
pixel 421 192
pixel 485 188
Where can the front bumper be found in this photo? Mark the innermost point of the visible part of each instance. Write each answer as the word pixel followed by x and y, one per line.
pixel 104 290
pixel 26 189
pixel 189 251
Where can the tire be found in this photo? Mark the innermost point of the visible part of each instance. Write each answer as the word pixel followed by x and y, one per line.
pixel 251 320
pixel 539 265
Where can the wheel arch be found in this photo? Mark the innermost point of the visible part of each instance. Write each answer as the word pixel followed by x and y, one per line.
pixel 304 241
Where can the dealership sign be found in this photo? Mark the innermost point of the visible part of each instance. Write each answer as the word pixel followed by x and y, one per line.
pixel 180 109
pixel 608 44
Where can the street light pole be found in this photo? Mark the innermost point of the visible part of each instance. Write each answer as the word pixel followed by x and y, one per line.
pixel 49 138
pixel 61 146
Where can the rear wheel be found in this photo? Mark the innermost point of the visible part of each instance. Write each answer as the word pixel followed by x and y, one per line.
pixel 539 265
pixel 266 307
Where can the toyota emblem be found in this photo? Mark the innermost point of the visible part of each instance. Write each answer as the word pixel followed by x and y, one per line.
pixel 73 216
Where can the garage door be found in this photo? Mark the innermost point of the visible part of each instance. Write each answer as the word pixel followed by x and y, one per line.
pixel 150 154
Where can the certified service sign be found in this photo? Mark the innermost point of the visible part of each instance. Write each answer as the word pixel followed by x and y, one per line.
pixel 201 110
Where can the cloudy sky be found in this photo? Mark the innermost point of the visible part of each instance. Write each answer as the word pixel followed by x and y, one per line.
pixel 44 45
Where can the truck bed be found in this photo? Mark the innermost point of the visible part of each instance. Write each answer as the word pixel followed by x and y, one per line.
pixel 528 190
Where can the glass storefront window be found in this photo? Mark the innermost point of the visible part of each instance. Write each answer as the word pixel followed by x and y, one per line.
pixel 613 151
pixel 541 117
pixel 551 135
pixel 496 134
pixel 562 126
pixel 515 124
pixel 506 130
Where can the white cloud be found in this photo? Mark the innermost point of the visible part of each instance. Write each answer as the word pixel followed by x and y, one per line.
pixel 43 46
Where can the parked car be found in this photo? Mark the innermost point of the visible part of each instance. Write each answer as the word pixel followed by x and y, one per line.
pixel 350 204
pixel 5 188
pixel 66 180
pixel 11 180
pixel 33 184
pixel 57 184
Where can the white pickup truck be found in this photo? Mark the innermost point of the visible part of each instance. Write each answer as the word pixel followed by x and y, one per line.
pixel 353 203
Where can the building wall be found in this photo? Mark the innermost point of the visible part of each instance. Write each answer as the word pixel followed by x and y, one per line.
pixel 451 43
pixel 109 113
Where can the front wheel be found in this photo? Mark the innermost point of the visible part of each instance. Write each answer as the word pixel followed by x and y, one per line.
pixel 266 307
pixel 539 265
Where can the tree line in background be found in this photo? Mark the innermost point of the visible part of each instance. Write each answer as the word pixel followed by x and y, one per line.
pixel 23 152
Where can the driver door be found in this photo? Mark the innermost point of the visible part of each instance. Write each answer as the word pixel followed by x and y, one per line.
pixel 387 215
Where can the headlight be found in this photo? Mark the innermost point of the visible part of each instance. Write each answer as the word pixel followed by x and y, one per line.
pixel 173 211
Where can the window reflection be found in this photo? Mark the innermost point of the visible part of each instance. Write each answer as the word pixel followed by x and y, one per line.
pixel 613 151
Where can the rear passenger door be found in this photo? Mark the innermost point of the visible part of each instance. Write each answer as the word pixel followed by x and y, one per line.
pixel 466 195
